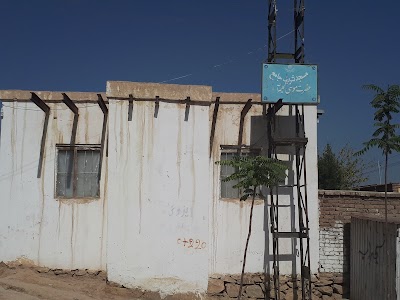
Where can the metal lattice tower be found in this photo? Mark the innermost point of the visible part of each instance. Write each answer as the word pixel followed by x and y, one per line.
pixel 298 54
pixel 300 229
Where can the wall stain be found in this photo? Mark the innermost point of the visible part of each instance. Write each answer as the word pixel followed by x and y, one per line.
pixel 49 141
pixel 12 142
pixel 151 129
pixel 22 145
pixel 72 236
pixel 179 150
pixel 122 117
pixel 41 187
pixel 213 229
pixel 193 115
pixel 59 221
pixel 104 207
pixel 60 138
pixel 76 230
pixel 115 128
pixel 128 136
pixel 86 120
pixel 103 219
pixel 122 156
pixel 126 126
pixel 141 152
pixel 54 125
pixel 69 201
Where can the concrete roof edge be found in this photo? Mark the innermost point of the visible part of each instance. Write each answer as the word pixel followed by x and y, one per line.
pixel 24 95
pixel 138 90
pixel 236 97
pixel 163 90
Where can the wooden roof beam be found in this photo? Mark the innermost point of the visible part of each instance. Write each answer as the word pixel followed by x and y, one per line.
pixel 243 114
pixel 130 107
pixel 102 104
pixel 39 103
pixel 213 124
pixel 187 108
pixel 46 109
pixel 71 105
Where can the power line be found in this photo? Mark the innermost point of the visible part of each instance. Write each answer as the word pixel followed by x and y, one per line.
pixel 373 168
pixel 376 169
pixel 227 62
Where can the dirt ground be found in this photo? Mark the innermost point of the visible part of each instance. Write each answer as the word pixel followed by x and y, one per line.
pixel 26 283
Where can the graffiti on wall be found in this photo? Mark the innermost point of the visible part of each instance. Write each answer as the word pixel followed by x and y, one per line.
pixel 191 243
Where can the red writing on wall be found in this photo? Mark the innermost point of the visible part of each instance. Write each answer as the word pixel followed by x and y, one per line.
pixel 191 243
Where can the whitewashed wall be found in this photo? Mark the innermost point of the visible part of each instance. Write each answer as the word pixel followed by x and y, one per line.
pixel 162 185
pixel 229 219
pixel 158 190
pixel 34 225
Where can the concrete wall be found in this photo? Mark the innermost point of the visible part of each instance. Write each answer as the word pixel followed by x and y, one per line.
pixel 34 225
pixel 158 183
pixel 168 230
pixel 229 218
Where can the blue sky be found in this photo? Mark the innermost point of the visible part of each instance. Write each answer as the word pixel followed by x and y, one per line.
pixel 79 45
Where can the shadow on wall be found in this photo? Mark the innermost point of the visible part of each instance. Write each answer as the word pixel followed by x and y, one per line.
pixel 284 127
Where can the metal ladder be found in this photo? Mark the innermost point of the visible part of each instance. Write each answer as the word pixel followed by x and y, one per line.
pixel 299 191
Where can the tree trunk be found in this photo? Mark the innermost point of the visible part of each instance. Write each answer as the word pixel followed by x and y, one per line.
pixel 247 244
pixel 386 169
pixel 386 240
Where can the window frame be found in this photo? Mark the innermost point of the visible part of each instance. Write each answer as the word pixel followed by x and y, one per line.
pixel 75 148
pixel 244 149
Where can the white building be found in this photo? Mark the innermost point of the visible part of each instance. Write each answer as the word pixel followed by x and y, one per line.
pixel 142 198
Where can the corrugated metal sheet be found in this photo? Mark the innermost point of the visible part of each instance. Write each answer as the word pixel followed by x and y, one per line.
pixel 369 255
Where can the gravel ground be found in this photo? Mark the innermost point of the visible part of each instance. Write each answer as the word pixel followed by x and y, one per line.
pixel 25 283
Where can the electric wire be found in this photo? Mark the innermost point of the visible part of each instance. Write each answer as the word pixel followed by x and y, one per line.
pixel 227 62
pixel 175 78
pixel 395 163
pixel 182 76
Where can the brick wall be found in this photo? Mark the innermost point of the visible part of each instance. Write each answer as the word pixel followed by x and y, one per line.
pixel 336 209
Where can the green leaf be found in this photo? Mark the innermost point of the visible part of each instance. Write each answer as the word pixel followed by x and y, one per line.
pixel 255 171
pixel 244 197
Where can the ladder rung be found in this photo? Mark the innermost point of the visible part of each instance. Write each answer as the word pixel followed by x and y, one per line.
pixel 290 235
pixel 290 186
pixel 289 141
pixel 284 55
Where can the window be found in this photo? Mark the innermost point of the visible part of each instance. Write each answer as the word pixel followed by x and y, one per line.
pixel 227 189
pixel 78 171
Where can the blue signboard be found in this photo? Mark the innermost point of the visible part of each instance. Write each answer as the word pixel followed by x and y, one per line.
pixel 291 83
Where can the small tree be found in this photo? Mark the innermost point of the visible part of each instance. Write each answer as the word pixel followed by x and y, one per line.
pixel 352 168
pixel 329 170
pixel 341 171
pixel 386 104
pixel 252 172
